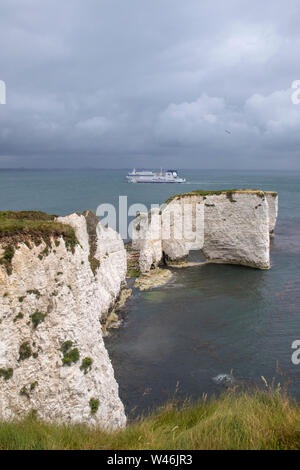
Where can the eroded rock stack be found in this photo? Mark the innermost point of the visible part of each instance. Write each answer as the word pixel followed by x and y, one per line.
pixel 228 226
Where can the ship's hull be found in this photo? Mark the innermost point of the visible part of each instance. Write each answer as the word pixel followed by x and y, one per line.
pixel 154 181
pixel 170 176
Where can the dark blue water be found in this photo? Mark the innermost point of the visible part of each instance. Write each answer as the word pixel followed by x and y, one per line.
pixel 208 320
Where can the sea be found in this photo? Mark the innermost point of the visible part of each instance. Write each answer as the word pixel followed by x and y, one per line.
pixel 212 325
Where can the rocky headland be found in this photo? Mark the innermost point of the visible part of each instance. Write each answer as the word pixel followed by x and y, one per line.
pixel 59 280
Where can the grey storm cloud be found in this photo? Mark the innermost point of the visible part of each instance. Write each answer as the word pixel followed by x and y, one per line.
pixel 115 83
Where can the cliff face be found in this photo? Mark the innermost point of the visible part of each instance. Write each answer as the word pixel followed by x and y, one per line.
pixel 272 200
pixel 228 226
pixel 52 297
pixel 237 230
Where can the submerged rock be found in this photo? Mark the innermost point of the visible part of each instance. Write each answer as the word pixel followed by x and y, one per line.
pixel 155 278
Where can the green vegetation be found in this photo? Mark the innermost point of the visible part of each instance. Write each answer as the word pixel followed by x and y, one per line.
pixel 44 253
pixel 94 405
pixel 27 390
pixel 133 268
pixel 91 225
pixel 133 272
pixel 18 227
pixel 6 373
pixel 18 317
pixel 86 364
pixel 229 193
pixel 37 317
pixel 70 355
pixel 24 351
pixel 24 392
pixel 34 292
pixel 7 257
pixel 66 346
pixel 256 420
pixel 33 385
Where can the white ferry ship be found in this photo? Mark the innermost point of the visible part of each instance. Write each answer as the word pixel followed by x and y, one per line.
pixel 169 176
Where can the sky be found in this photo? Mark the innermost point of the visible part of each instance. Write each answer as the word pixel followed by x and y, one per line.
pixel 150 84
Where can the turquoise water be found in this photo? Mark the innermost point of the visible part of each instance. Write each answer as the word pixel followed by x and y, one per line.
pixel 208 320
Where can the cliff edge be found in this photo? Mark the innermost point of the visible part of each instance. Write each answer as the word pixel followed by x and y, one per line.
pixel 59 276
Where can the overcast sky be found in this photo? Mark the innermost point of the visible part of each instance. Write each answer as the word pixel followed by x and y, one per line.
pixel 150 83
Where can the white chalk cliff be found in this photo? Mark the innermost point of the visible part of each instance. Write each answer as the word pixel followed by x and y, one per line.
pixel 231 227
pixel 53 360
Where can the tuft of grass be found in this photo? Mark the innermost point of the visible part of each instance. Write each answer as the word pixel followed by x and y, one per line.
pixel 37 317
pixel 66 346
pixel 18 317
pixel 86 364
pixel 245 420
pixel 35 292
pixel 94 405
pixel 24 351
pixel 6 373
pixel 6 258
pixel 70 355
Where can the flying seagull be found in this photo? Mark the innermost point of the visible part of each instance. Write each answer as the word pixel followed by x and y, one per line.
pixel 228 132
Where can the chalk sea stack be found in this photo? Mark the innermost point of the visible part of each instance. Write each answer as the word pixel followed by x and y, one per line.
pixel 230 226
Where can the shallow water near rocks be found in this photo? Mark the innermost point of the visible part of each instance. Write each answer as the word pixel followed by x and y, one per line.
pixel 209 319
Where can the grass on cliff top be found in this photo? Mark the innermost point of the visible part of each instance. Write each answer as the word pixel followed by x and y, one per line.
pixel 256 420
pixel 24 221
pixel 228 192
pixel 34 223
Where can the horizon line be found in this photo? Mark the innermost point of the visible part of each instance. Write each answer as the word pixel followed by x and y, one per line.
pixel 144 168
